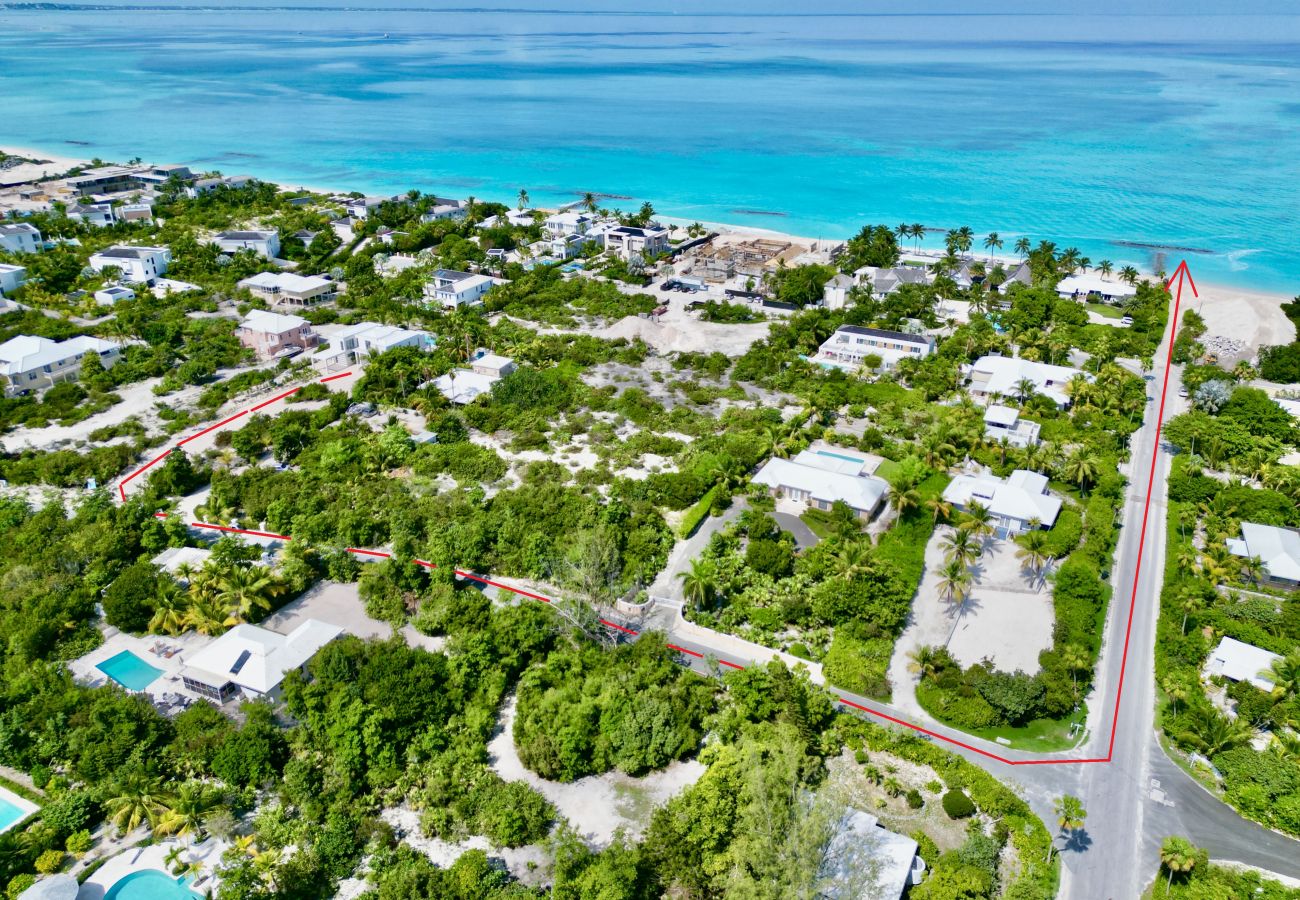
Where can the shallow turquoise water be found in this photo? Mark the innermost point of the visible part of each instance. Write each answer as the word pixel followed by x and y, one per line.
pixel 149 885
pixel 130 671
pixel 1086 130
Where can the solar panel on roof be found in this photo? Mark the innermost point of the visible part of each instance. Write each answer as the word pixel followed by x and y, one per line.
pixel 239 663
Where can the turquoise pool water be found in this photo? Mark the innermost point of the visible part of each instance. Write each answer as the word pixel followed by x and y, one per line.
pixel 851 459
pixel 149 885
pixel 10 814
pixel 129 670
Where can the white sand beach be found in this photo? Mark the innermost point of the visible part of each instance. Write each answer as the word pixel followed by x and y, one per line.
pixel 1254 317
pixel 48 164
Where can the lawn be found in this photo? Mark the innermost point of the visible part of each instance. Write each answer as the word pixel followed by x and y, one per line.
pixel 1039 736
pixel 1104 309
pixel 887 469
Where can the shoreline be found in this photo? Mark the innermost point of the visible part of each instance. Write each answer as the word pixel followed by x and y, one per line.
pixel 1215 292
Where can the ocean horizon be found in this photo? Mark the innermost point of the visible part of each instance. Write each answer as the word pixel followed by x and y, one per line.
pixel 1118 135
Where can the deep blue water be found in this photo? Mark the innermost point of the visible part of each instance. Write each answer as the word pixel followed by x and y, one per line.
pixel 1084 130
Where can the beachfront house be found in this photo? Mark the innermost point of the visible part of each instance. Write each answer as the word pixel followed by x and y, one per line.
pixel 249 662
pixel 822 475
pixel 625 240
pixel 1021 274
pixel 453 290
pixel 360 207
pixel 270 334
pixel 570 222
pixel 1238 661
pixel 1277 548
pixel 114 293
pixel 94 215
pixel 884 281
pixel 31 363
pixel 203 186
pixel 11 278
pixel 264 243
pixel 521 218
pixel 866 860
pixel 288 289
pixel 138 265
pixel 1003 423
pixel 366 339
pixel 851 344
pixel 1087 286
pixel 20 237
pixel 1014 502
pixel 993 377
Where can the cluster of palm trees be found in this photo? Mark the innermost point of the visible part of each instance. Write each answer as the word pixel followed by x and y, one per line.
pixel 212 598
pixel 963 546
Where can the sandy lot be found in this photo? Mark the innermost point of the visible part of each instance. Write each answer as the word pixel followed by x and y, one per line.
pixel 1249 316
pixel 1005 619
pixel 598 805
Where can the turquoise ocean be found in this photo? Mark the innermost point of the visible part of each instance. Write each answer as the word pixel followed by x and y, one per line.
pixel 1107 132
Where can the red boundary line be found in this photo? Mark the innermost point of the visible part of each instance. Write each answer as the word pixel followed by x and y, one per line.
pixel 1128 628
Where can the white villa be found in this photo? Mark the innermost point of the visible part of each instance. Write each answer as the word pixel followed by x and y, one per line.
pixel 1084 286
pixel 566 223
pixel 173 558
pixel 822 475
pixel 263 243
pixel 1003 423
pixel 366 339
pixel 456 289
pixel 1239 661
pixel 288 289
pixel 1000 376
pixel 625 240
pixel 851 344
pixel 835 293
pixel 463 386
pixel 96 215
pixel 1013 502
pixel 114 293
pixel 20 238
pixel 35 363
pixel 445 209
pixel 1278 548
pixel 251 662
pixel 11 278
pixel 139 265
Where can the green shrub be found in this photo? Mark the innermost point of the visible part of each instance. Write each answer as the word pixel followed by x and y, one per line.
pixel 957 805
pixel 78 843
pixel 914 799
pixel 18 884
pixel 49 861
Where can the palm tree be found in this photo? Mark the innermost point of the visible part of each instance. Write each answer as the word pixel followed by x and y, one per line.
pixel 1105 267
pixel 1177 854
pixel 1075 659
pixel 1252 568
pixel 978 520
pixel 169 613
pixel 173 859
pixel 589 202
pixel 206 615
pixel 955 581
pixel 523 198
pixel 1070 813
pixel 184 815
pixel 699 583
pixel 937 449
pixel 1022 247
pixel 136 798
pixel 1033 551
pixel 940 508
pixel 1285 674
pixel 1190 601
pixel 852 558
pixel 1175 691
pixel 1211 732
pixel 1128 275
pixel 992 242
pixel 925 661
pixel 918 232
pixel 1025 389
pixel 904 498
pixel 245 590
pixel 1081 468
pixel 960 546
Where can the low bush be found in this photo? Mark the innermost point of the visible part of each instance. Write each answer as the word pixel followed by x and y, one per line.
pixel 957 805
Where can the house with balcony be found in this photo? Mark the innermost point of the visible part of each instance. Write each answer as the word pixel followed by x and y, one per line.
pixel 1003 423
pixel 994 377
pixel 264 243
pixel 851 344
pixel 452 290
pixel 30 363
pixel 270 334
pixel 138 265
pixel 366 339
pixel 286 289
pixel 95 215
pixel 626 240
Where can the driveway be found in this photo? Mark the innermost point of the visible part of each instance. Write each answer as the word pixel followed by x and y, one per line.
pixel 804 538
pixel 667 584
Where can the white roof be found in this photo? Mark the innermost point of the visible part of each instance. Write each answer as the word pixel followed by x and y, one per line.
pixel 837 459
pixel 1005 416
pixel 26 352
pixel 1092 283
pixel 286 281
pixel 256 658
pixel 377 334
pixel 462 385
pixel 173 558
pixel 1020 497
pixel 567 218
pixel 861 493
pixel 468 283
pixel 18 228
pixel 7 268
pixel 491 361
pixel 1242 662
pixel 1279 548
pixel 264 322
pixel 1006 372
pixel 859 848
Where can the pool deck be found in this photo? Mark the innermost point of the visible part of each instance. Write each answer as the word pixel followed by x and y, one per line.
pixel 169 682
pixel 27 806
pixel 138 859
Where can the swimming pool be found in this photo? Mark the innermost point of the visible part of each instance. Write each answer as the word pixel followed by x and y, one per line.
pixel 13 809
pixel 129 670
pixel 852 459
pixel 149 885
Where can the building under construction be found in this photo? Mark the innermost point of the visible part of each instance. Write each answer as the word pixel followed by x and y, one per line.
pixel 748 259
